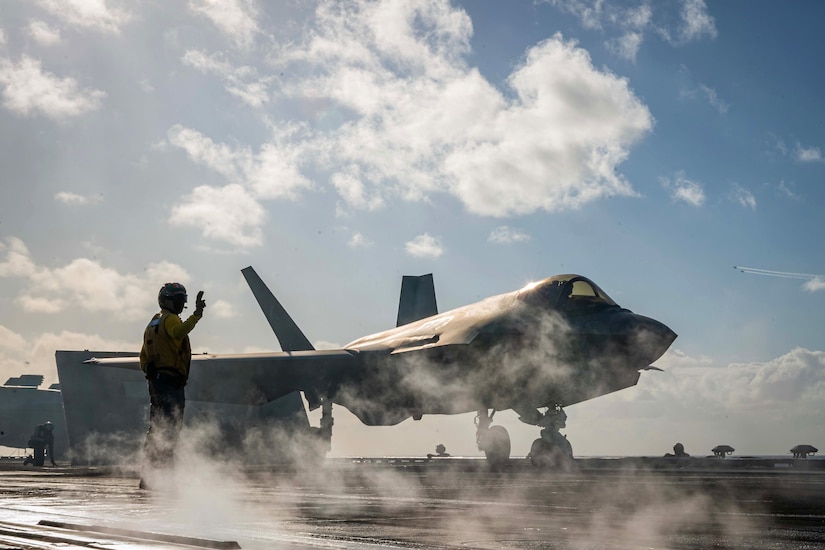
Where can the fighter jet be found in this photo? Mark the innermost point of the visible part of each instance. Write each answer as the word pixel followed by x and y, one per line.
pixel 535 350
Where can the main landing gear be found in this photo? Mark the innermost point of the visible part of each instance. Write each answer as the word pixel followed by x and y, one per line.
pixel 551 450
pixel 493 440
pixel 319 442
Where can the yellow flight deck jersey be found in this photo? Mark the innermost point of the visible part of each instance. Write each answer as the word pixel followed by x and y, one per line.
pixel 166 344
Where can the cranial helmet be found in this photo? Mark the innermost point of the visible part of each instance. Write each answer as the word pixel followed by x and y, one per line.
pixel 172 296
pixel 48 425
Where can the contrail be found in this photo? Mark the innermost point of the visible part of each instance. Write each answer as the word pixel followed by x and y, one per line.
pixel 783 274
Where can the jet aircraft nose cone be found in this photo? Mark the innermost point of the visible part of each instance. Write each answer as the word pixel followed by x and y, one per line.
pixel 653 337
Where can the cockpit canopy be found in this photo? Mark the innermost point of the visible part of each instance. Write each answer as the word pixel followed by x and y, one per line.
pixel 566 293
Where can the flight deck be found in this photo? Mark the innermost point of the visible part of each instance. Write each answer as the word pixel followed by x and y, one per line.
pixel 412 502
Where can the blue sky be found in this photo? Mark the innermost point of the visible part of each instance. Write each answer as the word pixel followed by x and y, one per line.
pixel 337 145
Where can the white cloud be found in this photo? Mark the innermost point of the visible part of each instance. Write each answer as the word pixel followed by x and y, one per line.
pixel 272 173
pixel 815 284
pixel 354 192
pixel 799 153
pixel 19 355
pixel 17 262
pixel 67 197
pixel 786 190
pixel 84 284
pixel 736 404
pixel 676 358
pixel 808 154
pixel 601 14
pixel 439 126
pixel 794 380
pixel 237 19
pixel 424 246
pixel 683 189
pixel 43 33
pixel 714 100
pixel 242 82
pixel 696 20
pixel 98 14
pixel 359 241
pixel 146 85
pixel 220 309
pixel 390 109
pixel 630 24
pixel 233 213
pixel 28 89
pixel 229 214
pixel 221 158
pixel 558 147
pixel 626 46
pixel 706 93
pixel 506 235
pixel 743 197
pixel 10 340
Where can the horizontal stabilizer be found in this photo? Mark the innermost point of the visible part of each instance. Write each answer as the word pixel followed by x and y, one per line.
pixel 289 335
pixel 417 299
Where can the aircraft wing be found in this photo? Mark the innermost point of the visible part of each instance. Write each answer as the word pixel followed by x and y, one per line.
pixel 257 378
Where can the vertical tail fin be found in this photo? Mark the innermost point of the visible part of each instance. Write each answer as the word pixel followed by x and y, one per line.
pixel 417 299
pixel 289 335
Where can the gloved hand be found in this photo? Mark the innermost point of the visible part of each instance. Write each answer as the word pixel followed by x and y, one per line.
pixel 200 303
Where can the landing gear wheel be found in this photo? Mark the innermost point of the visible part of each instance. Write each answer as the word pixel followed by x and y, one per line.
pixel 497 446
pixel 544 454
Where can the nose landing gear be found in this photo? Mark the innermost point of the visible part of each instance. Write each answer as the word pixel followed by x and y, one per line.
pixel 552 449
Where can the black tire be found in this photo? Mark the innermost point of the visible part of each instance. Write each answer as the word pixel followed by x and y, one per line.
pixel 541 454
pixel 544 454
pixel 497 446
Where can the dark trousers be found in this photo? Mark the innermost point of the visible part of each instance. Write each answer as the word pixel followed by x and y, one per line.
pixel 165 421
pixel 39 454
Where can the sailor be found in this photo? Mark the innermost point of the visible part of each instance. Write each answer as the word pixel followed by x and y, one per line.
pixel 165 358
pixel 42 440
pixel 440 451
pixel 678 451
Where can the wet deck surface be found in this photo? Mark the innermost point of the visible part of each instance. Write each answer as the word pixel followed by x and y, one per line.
pixel 438 504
